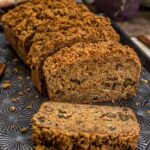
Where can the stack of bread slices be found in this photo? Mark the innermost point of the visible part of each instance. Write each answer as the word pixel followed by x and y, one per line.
pixel 76 57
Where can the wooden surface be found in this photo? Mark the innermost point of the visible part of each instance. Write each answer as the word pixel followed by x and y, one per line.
pixel 139 25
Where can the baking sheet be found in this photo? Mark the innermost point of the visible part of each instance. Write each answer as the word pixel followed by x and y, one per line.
pixel 19 102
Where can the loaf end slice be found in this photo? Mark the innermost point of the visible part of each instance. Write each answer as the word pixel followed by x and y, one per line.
pixel 95 72
pixel 75 126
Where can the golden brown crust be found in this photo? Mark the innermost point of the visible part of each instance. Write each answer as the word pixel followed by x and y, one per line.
pixel 57 124
pixel 85 51
pixel 84 27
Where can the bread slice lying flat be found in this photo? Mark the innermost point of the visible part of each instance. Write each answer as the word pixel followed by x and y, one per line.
pixel 86 127
pixel 95 72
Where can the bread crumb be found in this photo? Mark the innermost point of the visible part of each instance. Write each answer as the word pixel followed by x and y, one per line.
pixel 29 107
pixel 23 130
pixel 148 111
pixel 16 70
pixel 137 103
pixel 20 93
pixel 28 90
pixel 20 78
pixel 28 77
pixel 6 84
pixel 144 81
pixel 12 108
pixel 15 60
pixel 14 100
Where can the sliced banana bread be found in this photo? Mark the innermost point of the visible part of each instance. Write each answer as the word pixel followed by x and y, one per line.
pixel 85 27
pixel 104 147
pixel 94 72
pixel 88 127
pixel 21 23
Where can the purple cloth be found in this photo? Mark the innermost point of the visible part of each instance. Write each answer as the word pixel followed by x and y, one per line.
pixel 113 8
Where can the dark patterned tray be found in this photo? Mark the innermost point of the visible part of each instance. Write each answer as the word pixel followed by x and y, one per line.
pixel 19 102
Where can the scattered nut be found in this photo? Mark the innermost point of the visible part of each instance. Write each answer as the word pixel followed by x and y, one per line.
pixel 29 107
pixel 23 130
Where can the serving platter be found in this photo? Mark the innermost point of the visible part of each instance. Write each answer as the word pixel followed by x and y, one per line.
pixel 21 100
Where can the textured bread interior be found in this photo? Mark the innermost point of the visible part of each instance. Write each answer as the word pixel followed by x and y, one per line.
pixel 91 74
pixel 65 125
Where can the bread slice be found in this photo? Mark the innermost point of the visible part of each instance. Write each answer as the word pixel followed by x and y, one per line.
pixel 104 147
pixel 86 127
pixel 95 72
pixel 21 23
pixel 85 27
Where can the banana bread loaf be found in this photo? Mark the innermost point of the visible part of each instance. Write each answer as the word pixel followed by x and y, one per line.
pixel 85 127
pixel 85 27
pixel 41 28
pixel 21 23
pixel 86 73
